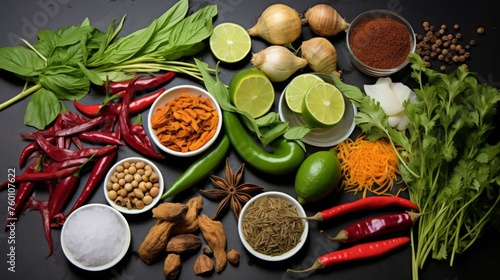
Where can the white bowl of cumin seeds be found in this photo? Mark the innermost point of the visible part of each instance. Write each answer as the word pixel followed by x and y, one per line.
pixel 271 226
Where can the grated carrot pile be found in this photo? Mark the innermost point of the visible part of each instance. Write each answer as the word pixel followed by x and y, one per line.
pixel 185 123
pixel 367 166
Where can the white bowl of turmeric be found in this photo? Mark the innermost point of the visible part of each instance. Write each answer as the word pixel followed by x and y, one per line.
pixel 184 121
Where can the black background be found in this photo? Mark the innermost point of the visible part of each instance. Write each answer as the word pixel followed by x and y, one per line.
pixel 23 18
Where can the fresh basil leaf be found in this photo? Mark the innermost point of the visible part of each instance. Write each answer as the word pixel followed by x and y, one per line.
pixel 105 38
pixel 70 56
pixel 43 107
pixel 115 76
pixel 163 26
pixel 268 119
pixel 85 22
pixel 125 48
pixel 92 75
pixel 65 82
pixel 21 61
pixel 189 32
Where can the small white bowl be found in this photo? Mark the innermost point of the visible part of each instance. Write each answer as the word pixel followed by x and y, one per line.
pixel 172 93
pixel 321 137
pixel 301 213
pixel 124 209
pixel 71 225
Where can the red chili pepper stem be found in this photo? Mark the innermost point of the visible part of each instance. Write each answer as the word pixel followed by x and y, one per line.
pixel 375 226
pixel 372 202
pixel 357 252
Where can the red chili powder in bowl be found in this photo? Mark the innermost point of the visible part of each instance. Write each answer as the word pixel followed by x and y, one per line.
pixel 382 43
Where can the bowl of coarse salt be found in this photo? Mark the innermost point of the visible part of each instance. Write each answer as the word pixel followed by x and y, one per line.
pixel 95 237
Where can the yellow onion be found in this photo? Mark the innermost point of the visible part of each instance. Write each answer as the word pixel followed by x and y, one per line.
pixel 321 55
pixel 279 24
pixel 278 62
pixel 324 20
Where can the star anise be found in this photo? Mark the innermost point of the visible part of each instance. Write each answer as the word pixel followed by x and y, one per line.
pixel 229 192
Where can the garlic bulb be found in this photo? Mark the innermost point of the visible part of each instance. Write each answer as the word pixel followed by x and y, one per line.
pixel 321 55
pixel 278 62
pixel 279 24
pixel 324 20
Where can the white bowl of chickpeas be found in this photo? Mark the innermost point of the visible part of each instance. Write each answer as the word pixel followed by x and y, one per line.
pixel 133 185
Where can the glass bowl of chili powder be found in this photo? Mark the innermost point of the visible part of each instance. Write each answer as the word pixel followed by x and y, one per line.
pixel 379 42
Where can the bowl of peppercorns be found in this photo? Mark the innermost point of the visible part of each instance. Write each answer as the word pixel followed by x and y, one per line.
pixel 379 42
pixel 133 185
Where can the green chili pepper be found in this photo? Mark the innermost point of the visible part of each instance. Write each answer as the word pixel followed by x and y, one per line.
pixel 199 169
pixel 286 156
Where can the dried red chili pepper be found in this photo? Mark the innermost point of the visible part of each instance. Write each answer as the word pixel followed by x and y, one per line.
pixel 138 131
pixel 124 125
pixel 42 207
pixel 100 137
pixel 375 226
pixel 140 84
pixel 60 154
pixel 372 202
pixel 72 130
pixel 43 175
pixel 99 170
pixel 357 252
pixel 26 153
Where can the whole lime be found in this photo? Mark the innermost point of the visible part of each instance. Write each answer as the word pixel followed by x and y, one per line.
pixel 318 176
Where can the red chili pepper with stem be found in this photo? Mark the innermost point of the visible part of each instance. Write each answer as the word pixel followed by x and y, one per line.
pixel 124 125
pixel 140 84
pixel 42 207
pixel 99 170
pixel 375 226
pixel 61 154
pixel 371 202
pixel 137 105
pixel 357 252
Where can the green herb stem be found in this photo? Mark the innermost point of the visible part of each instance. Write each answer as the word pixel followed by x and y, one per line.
pixel 25 93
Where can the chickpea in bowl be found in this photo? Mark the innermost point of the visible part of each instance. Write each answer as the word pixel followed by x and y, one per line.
pixel 133 185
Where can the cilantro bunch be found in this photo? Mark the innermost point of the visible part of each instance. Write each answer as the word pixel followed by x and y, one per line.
pixel 63 64
pixel 447 161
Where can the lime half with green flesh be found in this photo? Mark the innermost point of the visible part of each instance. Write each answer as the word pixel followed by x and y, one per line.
pixel 230 42
pixel 250 90
pixel 297 89
pixel 323 106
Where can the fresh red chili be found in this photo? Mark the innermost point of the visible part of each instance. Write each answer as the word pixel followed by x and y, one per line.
pixel 357 252
pixel 124 125
pixel 136 106
pixel 49 165
pixel 139 84
pixel 140 134
pixel 100 137
pixel 61 194
pixel 99 170
pixel 372 202
pixel 60 154
pixel 375 226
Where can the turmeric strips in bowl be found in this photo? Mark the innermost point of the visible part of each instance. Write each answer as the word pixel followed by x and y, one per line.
pixel 185 121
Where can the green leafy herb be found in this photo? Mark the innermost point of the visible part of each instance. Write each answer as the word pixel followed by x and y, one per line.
pixel 451 169
pixel 65 62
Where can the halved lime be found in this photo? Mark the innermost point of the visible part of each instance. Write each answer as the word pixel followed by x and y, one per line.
pixel 251 90
pixel 323 106
pixel 230 42
pixel 297 89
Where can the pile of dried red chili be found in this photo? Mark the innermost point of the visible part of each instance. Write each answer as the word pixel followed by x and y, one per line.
pixel 366 228
pixel 56 158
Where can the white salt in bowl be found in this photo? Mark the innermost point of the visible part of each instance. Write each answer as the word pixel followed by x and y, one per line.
pixel 300 212
pixel 101 230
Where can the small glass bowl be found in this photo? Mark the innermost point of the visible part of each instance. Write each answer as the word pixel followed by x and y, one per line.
pixel 301 213
pixel 378 13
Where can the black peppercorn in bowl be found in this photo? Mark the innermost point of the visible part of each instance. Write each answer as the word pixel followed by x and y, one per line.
pixel 379 42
